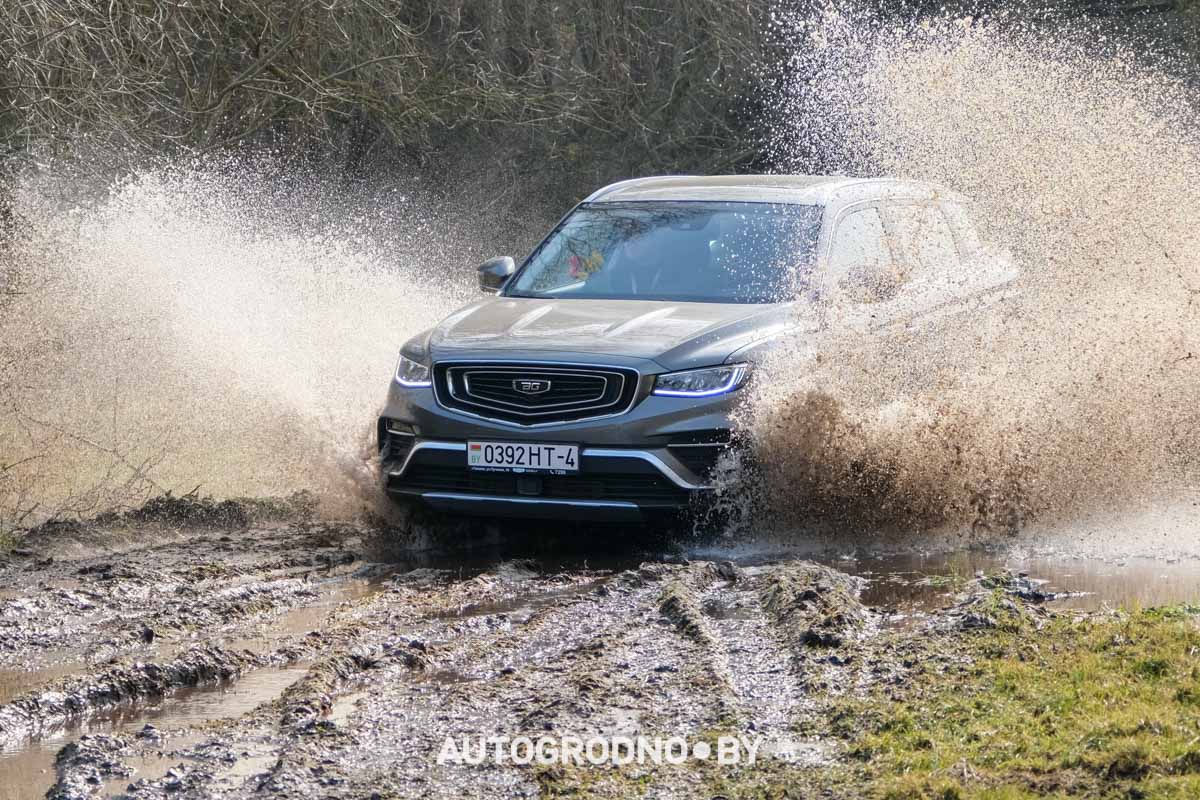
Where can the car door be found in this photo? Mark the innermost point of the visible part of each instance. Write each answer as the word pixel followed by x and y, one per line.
pixel 890 270
pixel 861 281
pixel 987 274
pixel 928 261
pixel 912 274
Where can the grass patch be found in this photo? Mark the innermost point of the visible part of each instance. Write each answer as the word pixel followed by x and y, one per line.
pixel 1103 707
pixel 951 581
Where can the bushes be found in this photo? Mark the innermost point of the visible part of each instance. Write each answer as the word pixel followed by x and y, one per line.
pixel 351 77
pixel 671 82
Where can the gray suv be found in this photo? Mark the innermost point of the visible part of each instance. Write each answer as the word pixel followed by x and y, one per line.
pixel 597 379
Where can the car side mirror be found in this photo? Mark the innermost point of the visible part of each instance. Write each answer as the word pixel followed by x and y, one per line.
pixel 495 272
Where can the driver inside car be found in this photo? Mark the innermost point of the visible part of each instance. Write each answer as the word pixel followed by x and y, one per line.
pixel 660 262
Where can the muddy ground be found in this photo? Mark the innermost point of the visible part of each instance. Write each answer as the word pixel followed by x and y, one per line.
pixel 234 656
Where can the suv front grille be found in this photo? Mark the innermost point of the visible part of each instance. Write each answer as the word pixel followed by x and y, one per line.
pixel 535 394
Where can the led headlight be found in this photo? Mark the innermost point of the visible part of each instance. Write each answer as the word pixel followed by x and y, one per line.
pixel 412 374
pixel 702 382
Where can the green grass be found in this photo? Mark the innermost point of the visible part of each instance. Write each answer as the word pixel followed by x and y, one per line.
pixel 1104 707
pixel 1101 708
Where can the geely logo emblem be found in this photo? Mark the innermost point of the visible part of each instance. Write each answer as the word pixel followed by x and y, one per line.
pixel 526 386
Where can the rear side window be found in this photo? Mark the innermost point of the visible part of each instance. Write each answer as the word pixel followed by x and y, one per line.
pixel 960 219
pixel 860 258
pixel 922 240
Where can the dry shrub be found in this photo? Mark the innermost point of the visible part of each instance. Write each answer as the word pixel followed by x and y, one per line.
pixel 34 444
pixel 211 328
pixel 349 77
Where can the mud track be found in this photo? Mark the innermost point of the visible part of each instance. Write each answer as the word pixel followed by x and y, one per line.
pixel 326 665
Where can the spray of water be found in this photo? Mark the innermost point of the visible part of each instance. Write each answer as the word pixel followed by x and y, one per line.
pixel 211 326
pixel 1077 393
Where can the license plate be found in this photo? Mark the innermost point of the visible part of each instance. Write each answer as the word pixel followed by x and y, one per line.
pixel 523 457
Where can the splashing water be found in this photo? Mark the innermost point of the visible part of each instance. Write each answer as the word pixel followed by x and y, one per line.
pixel 212 325
pixel 1077 394
pixel 209 326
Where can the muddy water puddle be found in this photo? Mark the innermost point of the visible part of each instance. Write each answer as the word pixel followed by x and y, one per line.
pixel 27 768
pixel 906 584
pixel 14 682
pixel 920 582
pixel 521 607
pixel 916 582
pixel 269 635
pixel 905 579
pixel 251 762
pixel 299 620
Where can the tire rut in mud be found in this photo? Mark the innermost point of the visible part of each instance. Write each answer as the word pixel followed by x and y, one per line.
pixel 516 649
pixel 658 650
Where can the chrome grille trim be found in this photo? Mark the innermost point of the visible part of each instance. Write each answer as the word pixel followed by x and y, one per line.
pixel 615 391
pixel 517 372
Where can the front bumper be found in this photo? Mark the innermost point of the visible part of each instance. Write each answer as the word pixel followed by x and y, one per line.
pixel 612 483
pixel 653 458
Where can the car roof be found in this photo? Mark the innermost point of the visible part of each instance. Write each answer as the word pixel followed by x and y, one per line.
pixel 819 190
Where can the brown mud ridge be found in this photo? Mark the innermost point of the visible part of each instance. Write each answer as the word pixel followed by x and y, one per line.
pixel 383 661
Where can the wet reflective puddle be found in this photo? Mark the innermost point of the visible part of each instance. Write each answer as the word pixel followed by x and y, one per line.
pixel 916 582
pixel 27 767
pixel 904 584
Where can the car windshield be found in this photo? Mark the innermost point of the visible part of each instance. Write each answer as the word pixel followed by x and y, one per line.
pixel 685 251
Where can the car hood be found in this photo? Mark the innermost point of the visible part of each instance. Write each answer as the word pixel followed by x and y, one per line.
pixel 676 335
